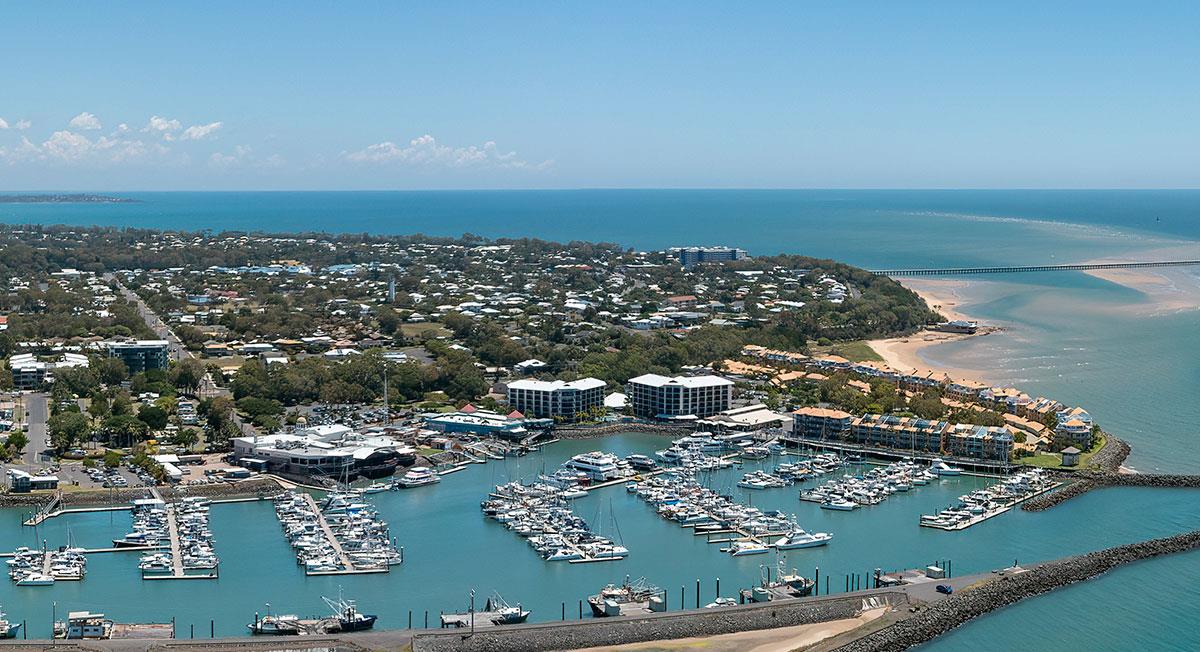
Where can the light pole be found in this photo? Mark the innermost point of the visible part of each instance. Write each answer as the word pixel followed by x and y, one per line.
pixel 472 612
pixel 53 620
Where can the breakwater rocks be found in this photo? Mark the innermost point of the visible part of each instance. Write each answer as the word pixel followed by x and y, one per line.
pixel 619 631
pixel 25 500
pixel 1086 482
pixel 963 606
pixel 587 432
pixel 1112 456
pixel 255 488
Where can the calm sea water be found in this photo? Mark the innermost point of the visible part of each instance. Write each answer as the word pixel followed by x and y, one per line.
pixel 1070 336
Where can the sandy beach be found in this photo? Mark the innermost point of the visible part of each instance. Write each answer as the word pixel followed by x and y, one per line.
pixel 903 353
pixel 1167 289
pixel 781 639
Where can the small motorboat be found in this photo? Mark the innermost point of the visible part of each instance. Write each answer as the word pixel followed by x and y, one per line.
pixel 275 625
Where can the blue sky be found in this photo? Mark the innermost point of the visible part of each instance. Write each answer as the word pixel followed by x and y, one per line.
pixel 220 95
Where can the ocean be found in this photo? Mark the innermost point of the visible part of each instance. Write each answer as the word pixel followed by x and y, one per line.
pixel 1130 357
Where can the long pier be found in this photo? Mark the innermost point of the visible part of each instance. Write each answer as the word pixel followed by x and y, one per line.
pixel 1077 267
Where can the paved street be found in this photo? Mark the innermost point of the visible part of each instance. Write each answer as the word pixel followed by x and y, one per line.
pixel 37 412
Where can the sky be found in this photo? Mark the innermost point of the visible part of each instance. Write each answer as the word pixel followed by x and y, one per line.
pixel 233 95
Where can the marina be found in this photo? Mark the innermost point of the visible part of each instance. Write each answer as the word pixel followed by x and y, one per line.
pixel 871 487
pixel 444 523
pixel 982 504
pixel 341 535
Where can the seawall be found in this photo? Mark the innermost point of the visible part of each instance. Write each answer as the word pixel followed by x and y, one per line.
pixel 941 617
pixel 588 432
pixel 619 631
pixel 1087 482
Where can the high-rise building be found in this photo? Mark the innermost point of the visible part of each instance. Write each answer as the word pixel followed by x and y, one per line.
pixel 560 400
pixel 658 397
pixel 689 256
pixel 140 355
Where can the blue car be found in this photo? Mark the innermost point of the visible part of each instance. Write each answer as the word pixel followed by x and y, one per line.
pixel 945 588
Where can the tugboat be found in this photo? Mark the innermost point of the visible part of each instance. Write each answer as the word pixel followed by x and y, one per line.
pixel 275 625
pixel 349 619
pixel 611 599
pixel 7 629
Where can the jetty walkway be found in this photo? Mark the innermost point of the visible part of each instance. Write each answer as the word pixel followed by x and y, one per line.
pixel 1078 267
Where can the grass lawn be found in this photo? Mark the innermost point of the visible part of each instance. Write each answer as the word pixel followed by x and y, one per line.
pixel 427 452
pixel 855 351
pixel 1054 460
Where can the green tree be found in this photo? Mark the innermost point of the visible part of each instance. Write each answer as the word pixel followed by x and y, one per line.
pixel 67 430
pixel 17 442
pixel 153 416
pixel 111 371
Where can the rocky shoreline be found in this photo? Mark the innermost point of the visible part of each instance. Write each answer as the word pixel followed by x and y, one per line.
pixel 968 604
pixel 606 632
pixel 255 488
pixel 588 432
pixel 1086 483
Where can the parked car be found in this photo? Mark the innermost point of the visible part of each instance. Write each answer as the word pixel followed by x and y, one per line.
pixel 945 589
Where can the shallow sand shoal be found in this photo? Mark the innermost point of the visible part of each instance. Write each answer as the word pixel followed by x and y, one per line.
pixel 781 639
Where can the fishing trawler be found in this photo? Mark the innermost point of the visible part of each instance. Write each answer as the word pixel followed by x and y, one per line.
pixel 348 617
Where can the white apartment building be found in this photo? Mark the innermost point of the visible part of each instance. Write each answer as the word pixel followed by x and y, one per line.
pixel 658 397
pixel 555 399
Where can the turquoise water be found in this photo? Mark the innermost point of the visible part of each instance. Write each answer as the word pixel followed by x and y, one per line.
pixel 450 549
pixel 1133 363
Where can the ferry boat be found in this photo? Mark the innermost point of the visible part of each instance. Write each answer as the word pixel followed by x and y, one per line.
pixel 275 625
pixel 376 488
pixel 7 629
pixel 348 617
pixel 611 598
pixel 599 466
pixel 798 538
pixel 417 476
pixel 940 468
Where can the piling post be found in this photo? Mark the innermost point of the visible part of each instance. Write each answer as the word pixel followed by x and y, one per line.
pixel 847 584
pixel 697 593
pixel 718 587
pixel 581 609
pixel 426 619
pixel 192 630
pixel 817 581
pixel 212 628
pixel 826 585
pixel 564 611
pixel 410 618
pixel 682 599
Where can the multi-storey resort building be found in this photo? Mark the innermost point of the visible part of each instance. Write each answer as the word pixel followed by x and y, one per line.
pixel 558 400
pixel 658 397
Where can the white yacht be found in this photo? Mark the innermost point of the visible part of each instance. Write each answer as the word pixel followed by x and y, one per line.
pixel 418 476
pixel 940 468
pixel 742 548
pixel 599 466
pixel 798 538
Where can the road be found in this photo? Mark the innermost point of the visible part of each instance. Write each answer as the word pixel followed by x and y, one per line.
pixel 176 351
pixel 37 412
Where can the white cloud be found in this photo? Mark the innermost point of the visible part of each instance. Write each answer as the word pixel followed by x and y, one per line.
pixel 243 156
pixel 74 148
pixel 3 124
pixel 85 121
pixel 166 128
pixel 199 132
pixel 23 124
pixel 426 151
